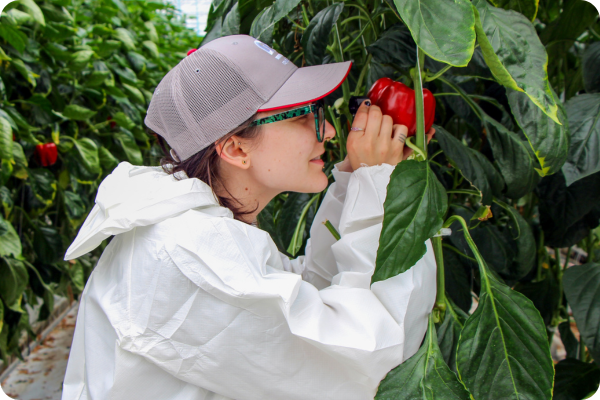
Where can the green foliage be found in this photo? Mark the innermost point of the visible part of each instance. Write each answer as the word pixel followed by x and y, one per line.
pixel 65 68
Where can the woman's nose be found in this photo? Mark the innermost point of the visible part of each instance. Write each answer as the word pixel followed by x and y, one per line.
pixel 329 131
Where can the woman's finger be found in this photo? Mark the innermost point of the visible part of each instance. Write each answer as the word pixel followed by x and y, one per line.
pixel 360 119
pixel 398 140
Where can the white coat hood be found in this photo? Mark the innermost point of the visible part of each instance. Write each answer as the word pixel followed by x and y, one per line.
pixel 134 196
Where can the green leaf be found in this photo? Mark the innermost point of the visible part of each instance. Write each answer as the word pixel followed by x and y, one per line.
pixel 80 60
pixel 74 205
pixel 503 350
pixel 514 53
pixel 152 48
pixel 130 147
pixel 43 185
pixel 123 120
pixel 13 280
pixel 34 10
pixel 582 289
pixel 568 213
pixel 316 35
pixel 125 37
pixel 515 161
pixel 469 162
pixel 423 376
pixel 231 22
pixel 135 93
pixel 96 78
pixel 583 112
pixel 25 71
pixel 6 140
pixel 289 216
pixel 449 332
pixel 13 36
pixel 548 140
pixel 413 210
pixel 528 8
pixel 575 379
pixel 10 244
pixel 543 293
pixel 47 244
pixel 152 35
pixel 137 61
pixel 591 72
pixel 444 29
pixel 263 24
pixel 266 222
pixel 88 154
pixel 78 113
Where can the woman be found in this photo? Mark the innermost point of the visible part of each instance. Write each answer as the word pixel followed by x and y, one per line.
pixel 190 300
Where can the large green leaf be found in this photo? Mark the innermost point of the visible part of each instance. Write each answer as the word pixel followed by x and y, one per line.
pixel 528 8
pixel 263 24
pixel 125 37
pixel 43 185
pixel 34 10
pixel 13 36
pixel 543 293
pixel 575 379
pixel 568 213
pixel 444 29
pixel 413 210
pixel 131 149
pixel 316 35
pixel 78 113
pixel 582 289
pixel 231 22
pixel 13 280
pixel 503 351
pixel 469 162
pixel 514 53
pixel 583 112
pixel 423 376
pixel 6 139
pixel 568 339
pixel 516 162
pixel 88 154
pixel 591 72
pixel 549 140
pixel 10 243
pixel 395 46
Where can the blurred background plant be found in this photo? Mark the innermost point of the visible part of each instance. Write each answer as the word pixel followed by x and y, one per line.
pixel 76 78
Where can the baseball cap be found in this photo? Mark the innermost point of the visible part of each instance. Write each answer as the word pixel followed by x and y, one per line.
pixel 223 83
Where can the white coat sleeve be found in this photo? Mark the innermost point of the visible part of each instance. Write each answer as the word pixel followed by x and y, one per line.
pixel 235 322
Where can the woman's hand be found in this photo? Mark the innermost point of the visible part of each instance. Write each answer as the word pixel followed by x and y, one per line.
pixel 379 141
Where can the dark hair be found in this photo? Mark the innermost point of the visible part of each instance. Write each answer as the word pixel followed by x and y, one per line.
pixel 205 164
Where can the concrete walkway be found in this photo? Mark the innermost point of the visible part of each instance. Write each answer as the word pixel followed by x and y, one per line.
pixel 40 375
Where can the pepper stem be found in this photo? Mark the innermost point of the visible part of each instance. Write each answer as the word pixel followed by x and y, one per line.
pixel 420 108
pixel 440 301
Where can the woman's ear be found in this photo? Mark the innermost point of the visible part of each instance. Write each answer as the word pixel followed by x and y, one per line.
pixel 231 151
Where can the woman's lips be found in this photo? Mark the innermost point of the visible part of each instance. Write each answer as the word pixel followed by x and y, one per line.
pixel 319 161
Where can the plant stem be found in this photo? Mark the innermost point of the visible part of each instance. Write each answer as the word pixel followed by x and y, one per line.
pixel 440 301
pixel 416 149
pixel 420 108
pixel 333 231
pixel 361 77
pixel 464 191
pixel 460 253
pixel 438 74
pixel 355 39
pixel 582 355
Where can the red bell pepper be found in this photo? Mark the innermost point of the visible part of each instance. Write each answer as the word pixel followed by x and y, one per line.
pixel 398 101
pixel 46 154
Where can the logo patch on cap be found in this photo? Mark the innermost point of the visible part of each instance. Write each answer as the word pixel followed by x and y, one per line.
pixel 271 52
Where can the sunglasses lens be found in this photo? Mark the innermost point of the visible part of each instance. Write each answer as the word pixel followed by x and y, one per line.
pixel 321 120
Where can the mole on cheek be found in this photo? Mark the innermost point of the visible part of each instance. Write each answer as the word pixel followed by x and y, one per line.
pixel 269 170
pixel 246 188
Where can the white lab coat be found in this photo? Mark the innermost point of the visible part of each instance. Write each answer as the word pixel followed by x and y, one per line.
pixel 188 303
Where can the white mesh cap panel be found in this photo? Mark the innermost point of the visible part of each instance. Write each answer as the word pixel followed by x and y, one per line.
pixel 209 98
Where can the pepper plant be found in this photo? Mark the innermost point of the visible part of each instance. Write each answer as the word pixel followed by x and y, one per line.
pixel 76 77
pixel 513 171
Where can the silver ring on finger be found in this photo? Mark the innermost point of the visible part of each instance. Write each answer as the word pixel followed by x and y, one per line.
pixel 356 129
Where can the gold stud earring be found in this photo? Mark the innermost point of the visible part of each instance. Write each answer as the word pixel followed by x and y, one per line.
pixel 244 161
pixel 239 143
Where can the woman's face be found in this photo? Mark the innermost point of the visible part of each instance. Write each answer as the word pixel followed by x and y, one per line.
pixel 282 160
